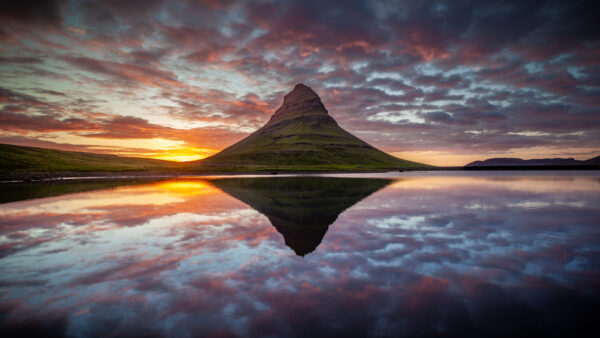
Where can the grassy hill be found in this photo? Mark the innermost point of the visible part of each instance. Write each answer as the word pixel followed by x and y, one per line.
pixel 301 135
pixel 20 158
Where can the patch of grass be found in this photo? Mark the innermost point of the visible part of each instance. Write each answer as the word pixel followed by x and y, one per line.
pixel 24 159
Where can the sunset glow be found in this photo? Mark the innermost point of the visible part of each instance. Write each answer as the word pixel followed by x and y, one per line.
pixel 443 83
pixel 184 154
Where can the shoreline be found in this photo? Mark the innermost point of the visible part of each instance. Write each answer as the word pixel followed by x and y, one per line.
pixel 61 176
pixel 53 176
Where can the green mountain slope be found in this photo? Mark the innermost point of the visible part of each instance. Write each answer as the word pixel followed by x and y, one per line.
pixel 20 158
pixel 301 134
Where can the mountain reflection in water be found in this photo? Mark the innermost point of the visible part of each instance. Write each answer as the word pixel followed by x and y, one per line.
pixel 472 254
pixel 301 208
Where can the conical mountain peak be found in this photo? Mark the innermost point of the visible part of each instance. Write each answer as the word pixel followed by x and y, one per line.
pixel 302 101
pixel 302 135
pixel 300 93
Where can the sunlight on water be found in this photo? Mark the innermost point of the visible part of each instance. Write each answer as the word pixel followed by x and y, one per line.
pixel 413 255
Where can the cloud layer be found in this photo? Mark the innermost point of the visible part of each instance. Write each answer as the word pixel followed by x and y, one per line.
pixel 444 82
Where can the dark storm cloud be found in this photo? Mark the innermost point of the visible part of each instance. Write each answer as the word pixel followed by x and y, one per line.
pixel 20 60
pixel 127 72
pixel 32 12
pixel 50 92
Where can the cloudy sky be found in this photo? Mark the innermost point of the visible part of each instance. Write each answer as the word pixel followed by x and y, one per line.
pixel 439 82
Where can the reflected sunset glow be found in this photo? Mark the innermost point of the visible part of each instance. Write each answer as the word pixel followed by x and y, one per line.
pixel 185 188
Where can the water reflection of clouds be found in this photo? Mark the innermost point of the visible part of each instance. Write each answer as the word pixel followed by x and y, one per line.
pixel 456 257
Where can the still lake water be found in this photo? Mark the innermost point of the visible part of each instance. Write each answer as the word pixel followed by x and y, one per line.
pixel 407 254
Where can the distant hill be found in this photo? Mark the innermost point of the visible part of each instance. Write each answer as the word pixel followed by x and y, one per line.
pixel 20 158
pixel 593 161
pixel 302 135
pixel 517 162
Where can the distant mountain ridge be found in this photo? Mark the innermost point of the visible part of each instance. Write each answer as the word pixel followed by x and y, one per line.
pixel 302 134
pixel 516 162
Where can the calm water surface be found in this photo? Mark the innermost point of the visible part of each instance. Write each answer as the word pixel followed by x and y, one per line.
pixel 406 254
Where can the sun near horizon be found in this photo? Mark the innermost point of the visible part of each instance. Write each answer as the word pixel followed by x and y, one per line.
pixel 187 154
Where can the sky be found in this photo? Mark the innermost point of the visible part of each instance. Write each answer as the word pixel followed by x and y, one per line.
pixel 439 82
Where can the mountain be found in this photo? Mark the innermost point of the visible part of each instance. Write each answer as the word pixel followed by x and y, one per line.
pixel 593 161
pixel 517 162
pixel 302 135
pixel 300 208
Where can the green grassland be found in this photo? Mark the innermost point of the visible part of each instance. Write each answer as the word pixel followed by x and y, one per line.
pixel 18 158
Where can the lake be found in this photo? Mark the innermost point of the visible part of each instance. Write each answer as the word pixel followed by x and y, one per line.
pixel 499 254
